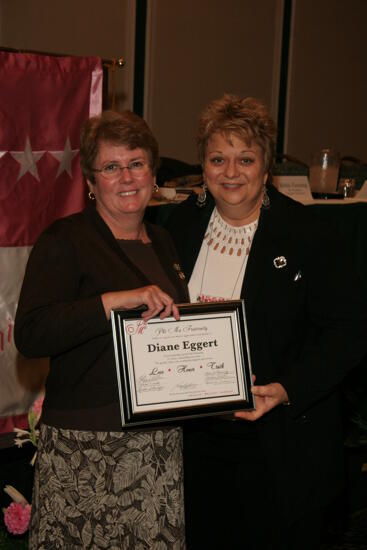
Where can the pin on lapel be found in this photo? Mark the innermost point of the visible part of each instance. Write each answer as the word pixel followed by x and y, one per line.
pixel 297 276
pixel 280 262
pixel 177 268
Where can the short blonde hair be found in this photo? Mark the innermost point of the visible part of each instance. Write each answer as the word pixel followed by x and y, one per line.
pixel 245 117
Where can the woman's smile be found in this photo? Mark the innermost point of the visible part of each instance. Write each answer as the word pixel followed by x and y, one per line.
pixel 232 185
pixel 128 193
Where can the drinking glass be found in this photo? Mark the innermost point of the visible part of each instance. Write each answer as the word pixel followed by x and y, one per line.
pixel 347 186
pixel 324 171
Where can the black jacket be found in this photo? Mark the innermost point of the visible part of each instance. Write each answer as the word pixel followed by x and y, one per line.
pixel 306 330
pixel 60 314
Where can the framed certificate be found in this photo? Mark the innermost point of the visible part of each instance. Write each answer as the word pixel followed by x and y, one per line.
pixel 197 366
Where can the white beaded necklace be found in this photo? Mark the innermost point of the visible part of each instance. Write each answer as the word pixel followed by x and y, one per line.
pixel 229 239
pixel 226 241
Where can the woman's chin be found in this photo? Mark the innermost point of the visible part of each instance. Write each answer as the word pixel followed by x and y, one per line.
pixel 232 199
pixel 129 206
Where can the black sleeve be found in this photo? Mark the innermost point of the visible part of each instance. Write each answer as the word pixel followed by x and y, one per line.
pixel 51 317
pixel 336 340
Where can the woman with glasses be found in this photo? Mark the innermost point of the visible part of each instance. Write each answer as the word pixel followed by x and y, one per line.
pixel 97 485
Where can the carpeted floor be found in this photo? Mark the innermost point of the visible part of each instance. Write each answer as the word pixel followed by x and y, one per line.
pixel 352 537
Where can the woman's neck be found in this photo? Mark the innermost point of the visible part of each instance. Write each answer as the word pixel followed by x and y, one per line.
pixel 126 226
pixel 237 216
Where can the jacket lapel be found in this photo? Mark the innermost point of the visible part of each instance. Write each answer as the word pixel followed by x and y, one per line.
pixel 270 235
pixel 193 234
pixel 165 254
pixel 257 264
pixel 105 232
pixel 169 261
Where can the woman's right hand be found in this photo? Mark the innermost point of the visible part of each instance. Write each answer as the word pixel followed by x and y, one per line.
pixel 157 302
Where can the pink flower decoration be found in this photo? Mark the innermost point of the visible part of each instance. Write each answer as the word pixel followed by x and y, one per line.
pixel 17 517
pixel 37 406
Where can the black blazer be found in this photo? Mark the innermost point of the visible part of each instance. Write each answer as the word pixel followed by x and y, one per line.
pixel 60 314
pixel 306 330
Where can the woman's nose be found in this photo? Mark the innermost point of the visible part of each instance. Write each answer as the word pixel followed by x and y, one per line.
pixel 125 174
pixel 231 169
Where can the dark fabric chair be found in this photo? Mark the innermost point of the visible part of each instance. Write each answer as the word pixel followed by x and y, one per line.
pixel 171 169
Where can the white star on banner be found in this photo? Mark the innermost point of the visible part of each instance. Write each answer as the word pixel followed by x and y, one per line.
pixel 27 160
pixel 65 157
pixel 2 153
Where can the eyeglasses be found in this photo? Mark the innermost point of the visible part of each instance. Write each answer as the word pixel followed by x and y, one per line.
pixel 113 170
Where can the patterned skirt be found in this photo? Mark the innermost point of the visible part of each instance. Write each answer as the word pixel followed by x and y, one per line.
pixel 115 490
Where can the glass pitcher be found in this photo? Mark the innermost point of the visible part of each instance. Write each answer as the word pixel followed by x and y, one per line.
pixel 324 171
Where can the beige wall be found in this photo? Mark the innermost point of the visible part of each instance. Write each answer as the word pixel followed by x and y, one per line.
pixel 75 27
pixel 196 51
pixel 328 79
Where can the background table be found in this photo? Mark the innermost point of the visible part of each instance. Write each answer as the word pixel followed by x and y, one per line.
pixel 350 222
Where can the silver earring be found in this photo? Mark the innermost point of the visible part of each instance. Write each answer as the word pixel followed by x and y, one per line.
pixel 155 188
pixel 266 201
pixel 201 200
pixel 91 196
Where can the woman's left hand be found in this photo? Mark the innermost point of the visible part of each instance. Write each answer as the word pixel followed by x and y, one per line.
pixel 156 300
pixel 266 398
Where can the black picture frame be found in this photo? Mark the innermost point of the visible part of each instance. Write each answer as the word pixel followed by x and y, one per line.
pixel 127 324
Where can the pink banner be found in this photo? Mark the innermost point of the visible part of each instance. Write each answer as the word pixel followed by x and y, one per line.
pixel 43 102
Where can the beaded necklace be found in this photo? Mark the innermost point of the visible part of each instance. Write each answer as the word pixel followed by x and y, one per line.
pixel 227 240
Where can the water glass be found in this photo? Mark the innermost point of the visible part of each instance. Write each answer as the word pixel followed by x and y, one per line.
pixel 324 171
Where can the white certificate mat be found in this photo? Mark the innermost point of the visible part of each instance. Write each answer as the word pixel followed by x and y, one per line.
pixel 168 369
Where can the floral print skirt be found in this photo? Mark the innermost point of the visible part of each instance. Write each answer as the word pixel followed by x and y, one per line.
pixel 114 490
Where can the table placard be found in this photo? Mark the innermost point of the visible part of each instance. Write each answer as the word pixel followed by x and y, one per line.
pixel 169 370
pixel 296 187
pixel 362 193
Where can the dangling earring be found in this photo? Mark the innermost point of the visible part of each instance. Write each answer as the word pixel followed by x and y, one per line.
pixel 201 200
pixel 266 201
pixel 91 196
pixel 155 188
